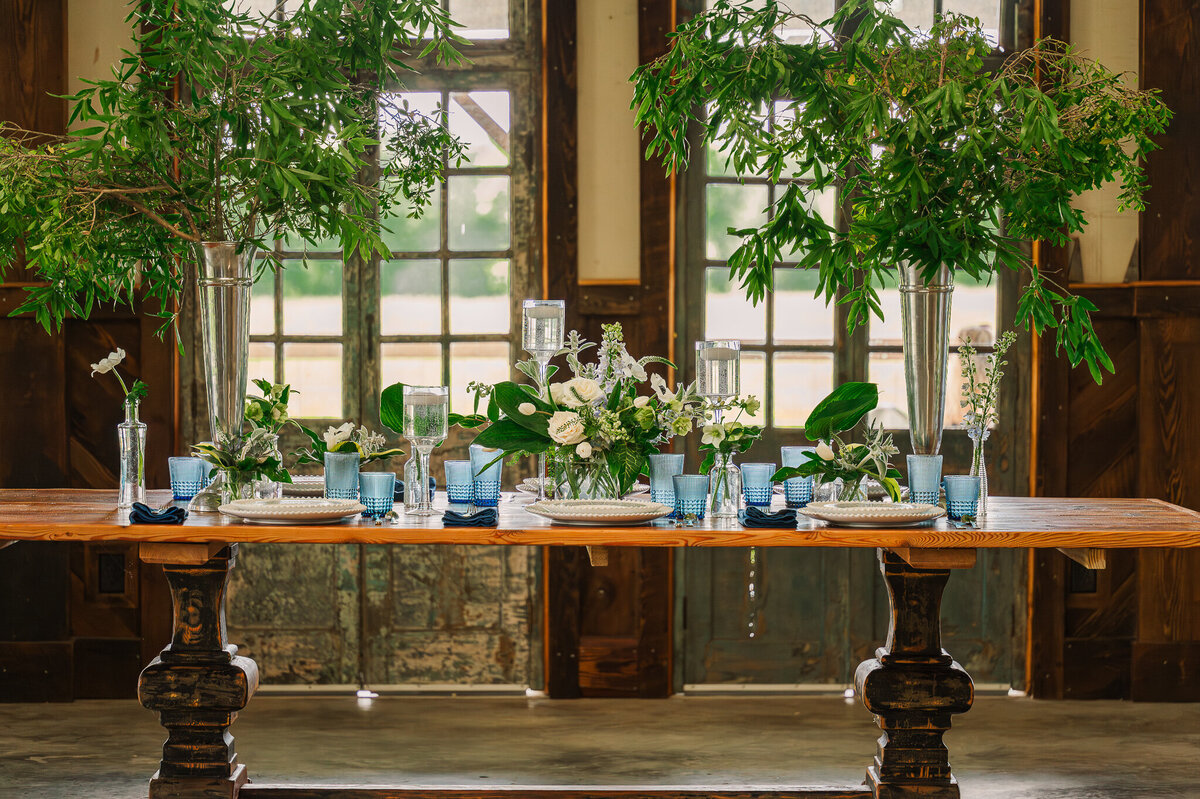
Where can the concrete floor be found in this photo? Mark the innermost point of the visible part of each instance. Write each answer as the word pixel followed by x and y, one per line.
pixel 1011 748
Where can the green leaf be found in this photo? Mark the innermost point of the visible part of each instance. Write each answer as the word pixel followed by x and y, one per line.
pixel 512 437
pixel 391 408
pixel 844 408
pixel 510 396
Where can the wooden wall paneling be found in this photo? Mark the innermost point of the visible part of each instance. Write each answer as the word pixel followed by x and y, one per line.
pixel 33 61
pixel 1170 225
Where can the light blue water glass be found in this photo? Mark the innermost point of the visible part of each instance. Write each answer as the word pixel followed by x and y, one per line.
pixel 663 468
pixel 341 475
pixel 756 484
pixel 460 483
pixel 798 491
pixel 924 478
pixel 188 476
pixel 691 494
pixel 962 495
pixel 377 492
pixel 486 478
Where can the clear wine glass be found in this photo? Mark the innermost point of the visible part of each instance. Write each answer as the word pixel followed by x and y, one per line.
pixel 542 337
pixel 426 416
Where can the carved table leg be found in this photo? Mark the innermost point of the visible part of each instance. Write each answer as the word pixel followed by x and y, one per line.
pixel 913 687
pixel 197 685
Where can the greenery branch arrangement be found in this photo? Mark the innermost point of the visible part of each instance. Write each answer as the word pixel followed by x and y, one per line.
pixel 837 459
pixel 369 445
pixel 224 126
pixel 941 162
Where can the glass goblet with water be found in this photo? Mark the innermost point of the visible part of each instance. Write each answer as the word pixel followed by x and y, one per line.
pixel 426 414
pixel 542 337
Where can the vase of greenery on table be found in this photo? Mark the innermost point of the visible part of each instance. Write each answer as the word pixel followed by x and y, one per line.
pixel 944 166
pixel 131 433
pixel 342 451
pixel 720 441
pixel 980 398
pixel 222 132
pixel 246 460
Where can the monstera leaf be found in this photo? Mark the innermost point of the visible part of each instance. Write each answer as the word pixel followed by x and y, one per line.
pixel 845 407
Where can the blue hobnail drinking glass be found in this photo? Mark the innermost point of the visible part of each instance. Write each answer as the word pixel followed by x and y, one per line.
pixel 460 483
pixel 486 475
pixel 663 468
pixel 798 491
pixel 962 495
pixel 188 476
pixel 377 492
pixel 691 494
pixel 341 475
pixel 924 478
pixel 756 484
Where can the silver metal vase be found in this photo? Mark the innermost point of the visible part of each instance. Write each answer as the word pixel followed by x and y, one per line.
pixel 224 300
pixel 925 312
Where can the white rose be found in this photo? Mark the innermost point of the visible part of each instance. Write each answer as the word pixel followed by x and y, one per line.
pixel 824 451
pixel 641 402
pixel 336 435
pixel 526 409
pixel 556 393
pixel 580 391
pixel 584 450
pixel 566 427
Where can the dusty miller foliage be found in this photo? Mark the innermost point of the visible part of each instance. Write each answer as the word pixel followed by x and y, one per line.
pixel 929 149
pixel 224 126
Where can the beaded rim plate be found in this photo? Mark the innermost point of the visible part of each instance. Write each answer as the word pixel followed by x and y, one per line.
pixel 530 486
pixel 599 512
pixel 872 514
pixel 305 485
pixel 293 511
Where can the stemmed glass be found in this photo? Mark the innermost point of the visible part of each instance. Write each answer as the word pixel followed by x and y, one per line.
pixel 542 337
pixel 426 412
pixel 718 378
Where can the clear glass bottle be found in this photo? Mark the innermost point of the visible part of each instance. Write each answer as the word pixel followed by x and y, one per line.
pixel 979 467
pixel 132 435
pixel 412 480
pixel 725 483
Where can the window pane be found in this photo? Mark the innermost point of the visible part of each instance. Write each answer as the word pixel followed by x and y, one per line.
pixel 801 318
pixel 889 330
pixel 481 19
pixel 410 301
pixel 887 370
pixel 802 379
pixel 481 120
pixel 262 306
pixel 261 363
pixel 727 312
pixel 403 233
pixel 415 364
pixel 733 206
pixel 915 13
pixel 954 410
pixel 475 361
pixel 988 12
pixel 754 384
pixel 973 311
pixel 478 211
pixel 293 242
pixel 478 296
pixel 312 298
pixel 315 372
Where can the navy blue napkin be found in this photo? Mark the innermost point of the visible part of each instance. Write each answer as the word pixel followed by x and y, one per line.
pixel 482 518
pixel 753 517
pixel 144 514
pixel 399 493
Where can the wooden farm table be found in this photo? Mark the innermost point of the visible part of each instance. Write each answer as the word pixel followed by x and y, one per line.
pixel 912 686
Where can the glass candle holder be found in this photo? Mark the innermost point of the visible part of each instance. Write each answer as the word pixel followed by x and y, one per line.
pixel 188 476
pixel 924 478
pixel 341 475
pixel 377 492
pixel 718 368
pixel 426 423
pixel 460 483
pixel 691 494
pixel 798 491
pixel 663 468
pixel 756 484
pixel 962 496
pixel 486 466
pixel 542 324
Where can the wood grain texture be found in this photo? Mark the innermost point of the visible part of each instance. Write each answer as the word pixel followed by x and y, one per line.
pixel 33 58
pixel 558 792
pixel 72 515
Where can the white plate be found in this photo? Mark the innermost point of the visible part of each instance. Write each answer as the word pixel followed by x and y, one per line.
pixel 293 511
pixel 305 485
pixel 530 486
pixel 872 514
pixel 599 512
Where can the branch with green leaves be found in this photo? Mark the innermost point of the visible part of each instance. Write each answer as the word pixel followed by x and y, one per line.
pixel 939 161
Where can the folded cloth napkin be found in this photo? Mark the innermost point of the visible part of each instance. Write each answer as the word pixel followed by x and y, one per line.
pixel 144 514
pixel 753 517
pixel 399 492
pixel 482 518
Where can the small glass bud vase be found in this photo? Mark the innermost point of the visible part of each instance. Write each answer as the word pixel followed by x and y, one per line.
pixel 725 482
pixel 412 479
pixel 132 435
pixel 979 466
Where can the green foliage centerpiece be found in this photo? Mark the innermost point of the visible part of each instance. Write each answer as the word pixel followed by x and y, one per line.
pixel 596 429
pixel 248 454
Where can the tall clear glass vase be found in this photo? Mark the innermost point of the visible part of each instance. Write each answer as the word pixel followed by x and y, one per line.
pixel 224 303
pixel 725 483
pixel 132 435
pixel 979 467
